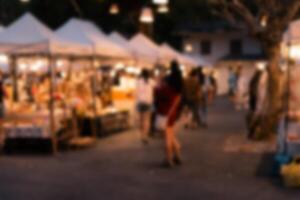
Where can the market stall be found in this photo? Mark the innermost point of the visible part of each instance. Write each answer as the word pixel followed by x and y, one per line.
pixel 106 53
pixel 32 50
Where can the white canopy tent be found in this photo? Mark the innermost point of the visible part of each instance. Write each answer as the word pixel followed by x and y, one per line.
pixel 147 52
pixel 86 33
pixel 171 54
pixel 119 39
pixel 140 58
pixel 27 35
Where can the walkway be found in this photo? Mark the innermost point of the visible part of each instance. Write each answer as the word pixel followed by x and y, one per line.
pixel 218 164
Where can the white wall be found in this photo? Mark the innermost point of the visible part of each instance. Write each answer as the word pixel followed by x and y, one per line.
pixel 220 45
pixel 223 75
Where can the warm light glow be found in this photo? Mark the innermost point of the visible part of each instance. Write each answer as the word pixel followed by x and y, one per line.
pixel 25 1
pixel 119 66
pixel 59 63
pixel 264 21
pixel 22 66
pixel 261 66
pixel 114 9
pixel 182 68
pixel 159 2
pixel 163 9
pixel 147 16
pixel 157 72
pixel 3 59
pixel 133 70
pixel 188 48
pixel 295 52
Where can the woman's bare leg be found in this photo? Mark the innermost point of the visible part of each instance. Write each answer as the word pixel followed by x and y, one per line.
pixel 169 145
pixel 176 147
pixel 146 125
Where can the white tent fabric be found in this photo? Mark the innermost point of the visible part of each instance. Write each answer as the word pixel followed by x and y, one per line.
pixel 119 39
pixel 27 35
pixel 171 54
pixel 87 33
pixel 140 58
pixel 145 49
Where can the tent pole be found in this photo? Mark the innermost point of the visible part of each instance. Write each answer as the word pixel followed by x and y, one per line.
pixel 94 101
pixel 75 126
pixel 14 72
pixel 52 102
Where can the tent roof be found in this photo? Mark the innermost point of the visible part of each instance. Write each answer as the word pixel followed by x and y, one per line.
pixel 28 35
pixel 145 48
pixel 181 58
pixel 141 56
pixel 118 38
pixel 87 33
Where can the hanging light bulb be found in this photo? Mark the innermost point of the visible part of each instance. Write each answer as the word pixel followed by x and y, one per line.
pixel 160 2
pixel 147 16
pixel 25 1
pixel 264 21
pixel 163 8
pixel 188 48
pixel 114 9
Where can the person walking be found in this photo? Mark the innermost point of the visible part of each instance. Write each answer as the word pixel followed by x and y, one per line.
pixel 192 98
pixel 203 82
pixel 169 96
pixel 253 100
pixel 232 80
pixel 144 103
pixel 241 91
pixel 213 87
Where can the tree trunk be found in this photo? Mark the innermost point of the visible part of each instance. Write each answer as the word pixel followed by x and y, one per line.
pixel 275 104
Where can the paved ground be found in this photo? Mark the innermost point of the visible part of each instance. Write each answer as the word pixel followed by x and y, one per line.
pixel 120 167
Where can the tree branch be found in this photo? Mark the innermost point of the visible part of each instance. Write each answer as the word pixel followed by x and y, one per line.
pixel 240 9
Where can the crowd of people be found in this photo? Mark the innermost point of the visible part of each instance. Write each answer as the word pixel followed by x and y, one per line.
pixel 169 98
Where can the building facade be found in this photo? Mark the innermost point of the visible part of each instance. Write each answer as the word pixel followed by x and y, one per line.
pixel 219 45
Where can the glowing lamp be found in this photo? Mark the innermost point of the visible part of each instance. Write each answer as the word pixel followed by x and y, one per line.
pixel 114 9
pixel 163 8
pixel 160 2
pixel 147 16
pixel 25 1
pixel 188 48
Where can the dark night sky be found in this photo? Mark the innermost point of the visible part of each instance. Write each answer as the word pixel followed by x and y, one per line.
pixel 55 12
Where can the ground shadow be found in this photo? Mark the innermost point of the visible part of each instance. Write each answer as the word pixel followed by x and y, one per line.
pixel 269 169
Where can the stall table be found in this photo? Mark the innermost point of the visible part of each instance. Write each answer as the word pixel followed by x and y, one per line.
pixel 106 124
pixel 29 133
